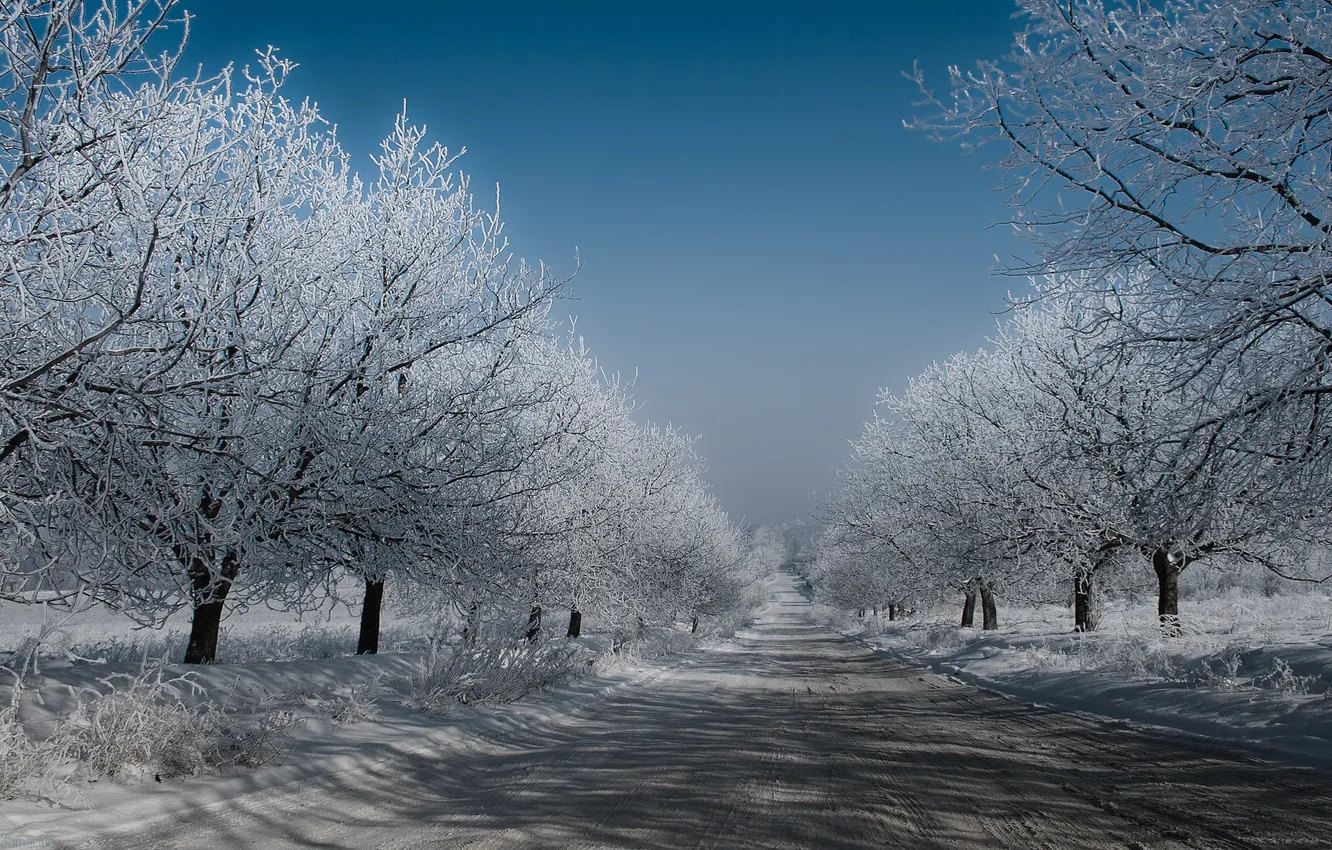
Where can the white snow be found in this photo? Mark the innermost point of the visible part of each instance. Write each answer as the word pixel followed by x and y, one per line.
pixel 1248 669
pixel 321 750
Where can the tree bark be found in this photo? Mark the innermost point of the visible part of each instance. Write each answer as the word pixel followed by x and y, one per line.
pixel 208 592
pixel 1167 599
pixel 204 628
pixel 969 607
pixel 472 628
pixel 374 601
pixel 1086 617
pixel 989 613
pixel 693 624
pixel 892 611
pixel 534 623
pixel 575 622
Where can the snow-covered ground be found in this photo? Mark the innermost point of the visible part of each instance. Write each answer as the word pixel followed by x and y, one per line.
pixel 789 736
pixel 320 747
pixel 288 702
pixel 1249 668
pixel 100 635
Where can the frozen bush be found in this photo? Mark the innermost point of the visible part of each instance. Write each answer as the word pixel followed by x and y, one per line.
pixel 29 766
pixel 356 703
pixel 942 637
pixel 262 736
pixel 1283 680
pixel 1045 657
pixel 726 625
pixel 627 650
pixel 662 641
pixel 144 723
pixel 137 647
pixel 152 722
pixel 495 673
pixel 836 619
pixel 1141 656
pixel 361 703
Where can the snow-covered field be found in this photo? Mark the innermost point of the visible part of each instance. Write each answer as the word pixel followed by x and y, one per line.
pixel 1248 668
pixel 321 745
pixel 110 719
pixel 100 635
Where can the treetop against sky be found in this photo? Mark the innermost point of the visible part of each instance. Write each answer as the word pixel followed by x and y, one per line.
pixel 761 241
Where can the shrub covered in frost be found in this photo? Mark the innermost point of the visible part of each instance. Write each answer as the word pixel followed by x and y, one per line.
pixel 131 726
pixel 494 673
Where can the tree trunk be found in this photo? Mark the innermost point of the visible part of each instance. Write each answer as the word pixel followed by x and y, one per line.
pixel 693 624
pixel 892 611
pixel 534 623
pixel 374 601
pixel 1086 617
pixel 472 628
pixel 575 622
pixel 969 608
pixel 208 593
pixel 989 613
pixel 1167 600
pixel 204 628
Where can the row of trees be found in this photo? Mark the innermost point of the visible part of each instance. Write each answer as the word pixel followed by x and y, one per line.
pixel 1163 400
pixel 233 371
pixel 1054 456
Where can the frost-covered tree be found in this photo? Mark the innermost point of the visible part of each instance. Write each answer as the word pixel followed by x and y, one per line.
pixel 1050 455
pixel 1187 141
pixel 1130 459
pixel 1171 163
pixel 233 371
pixel 621 524
pixel 415 411
pixel 164 255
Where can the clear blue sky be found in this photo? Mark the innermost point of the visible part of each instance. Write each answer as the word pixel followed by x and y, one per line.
pixel 761 239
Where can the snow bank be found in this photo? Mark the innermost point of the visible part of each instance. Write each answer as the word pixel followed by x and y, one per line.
pixel 1255 672
pixel 322 747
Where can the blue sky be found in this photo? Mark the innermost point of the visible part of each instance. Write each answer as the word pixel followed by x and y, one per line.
pixel 761 239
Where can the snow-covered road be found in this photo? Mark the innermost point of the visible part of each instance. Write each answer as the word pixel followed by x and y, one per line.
pixel 794 737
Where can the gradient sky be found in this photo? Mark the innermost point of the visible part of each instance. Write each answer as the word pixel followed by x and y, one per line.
pixel 760 238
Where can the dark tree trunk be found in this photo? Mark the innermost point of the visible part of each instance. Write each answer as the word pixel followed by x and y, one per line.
pixel 1085 615
pixel 1167 600
pixel 208 593
pixel 693 624
pixel 969 608
pixel 374 601
pixel 875 609
pixel 204 628
pixel 472 628
pixel 534 624
pixel 989 613
pixel 892 612
pixel 575 622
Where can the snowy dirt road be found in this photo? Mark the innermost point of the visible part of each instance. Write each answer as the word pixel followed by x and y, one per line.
pixel 795 737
